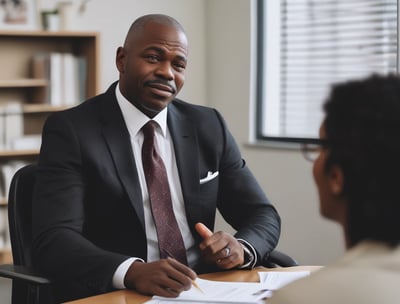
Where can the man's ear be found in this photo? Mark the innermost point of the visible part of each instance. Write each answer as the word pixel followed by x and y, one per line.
pixel 119 59
pixel 336 180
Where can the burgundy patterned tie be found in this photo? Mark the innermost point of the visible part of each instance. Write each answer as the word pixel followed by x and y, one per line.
pixel 170 240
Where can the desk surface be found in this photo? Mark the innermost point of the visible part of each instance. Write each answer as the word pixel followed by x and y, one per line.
pixel 132 297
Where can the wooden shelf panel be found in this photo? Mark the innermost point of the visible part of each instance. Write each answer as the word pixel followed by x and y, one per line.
pixel 23 83
pixel 18 153
pixel 42 108
pixel 66 34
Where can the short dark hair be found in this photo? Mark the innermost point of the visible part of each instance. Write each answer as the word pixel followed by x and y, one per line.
pixel 362 125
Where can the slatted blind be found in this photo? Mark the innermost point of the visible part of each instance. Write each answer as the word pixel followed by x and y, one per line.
pixel 320 42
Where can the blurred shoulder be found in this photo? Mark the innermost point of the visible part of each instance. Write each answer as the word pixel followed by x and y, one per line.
pixel 194 111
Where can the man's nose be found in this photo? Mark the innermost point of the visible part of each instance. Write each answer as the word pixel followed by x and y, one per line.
pixel 165 70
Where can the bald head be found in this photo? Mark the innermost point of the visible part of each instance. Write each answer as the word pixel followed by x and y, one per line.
pixel 152 63
pixel 139 24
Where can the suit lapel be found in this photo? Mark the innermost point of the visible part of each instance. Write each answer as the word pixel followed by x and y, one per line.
pixel 185 144
pixel 117 138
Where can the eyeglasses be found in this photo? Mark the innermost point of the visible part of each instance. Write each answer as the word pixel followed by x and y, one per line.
pixel 312 150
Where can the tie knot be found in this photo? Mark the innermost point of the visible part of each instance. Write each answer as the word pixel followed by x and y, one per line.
pixel 149 128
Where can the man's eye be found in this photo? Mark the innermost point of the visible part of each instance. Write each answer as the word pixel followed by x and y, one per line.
pixel 152 58
pixel 180 67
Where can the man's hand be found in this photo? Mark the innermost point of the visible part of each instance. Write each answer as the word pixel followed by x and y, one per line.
pixel 220 248
pixel 166 277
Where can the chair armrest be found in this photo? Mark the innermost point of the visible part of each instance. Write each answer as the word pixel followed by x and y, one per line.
pixel 277 258
pixel 22 273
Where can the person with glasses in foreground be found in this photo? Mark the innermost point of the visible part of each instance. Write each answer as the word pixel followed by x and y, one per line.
pixel 357 175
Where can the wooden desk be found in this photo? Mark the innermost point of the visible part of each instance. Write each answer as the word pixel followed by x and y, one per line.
pixel 132 297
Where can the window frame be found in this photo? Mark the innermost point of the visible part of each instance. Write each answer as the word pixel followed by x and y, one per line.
pixel 259 93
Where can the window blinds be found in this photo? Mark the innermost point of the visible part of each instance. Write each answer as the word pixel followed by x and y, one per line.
pixel 321 42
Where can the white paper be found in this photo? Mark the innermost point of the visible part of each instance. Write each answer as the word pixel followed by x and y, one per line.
pixel 218 292
pixel 234 292
pixel 274 280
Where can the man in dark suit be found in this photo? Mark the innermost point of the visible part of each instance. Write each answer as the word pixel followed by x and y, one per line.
pixel 93 228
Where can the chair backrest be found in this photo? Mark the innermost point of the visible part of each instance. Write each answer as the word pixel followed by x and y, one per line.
pixel 28 286
pixel 20 214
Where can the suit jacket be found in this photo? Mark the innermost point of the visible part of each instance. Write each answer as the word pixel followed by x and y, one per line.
pixel 88 212
pixel 367 274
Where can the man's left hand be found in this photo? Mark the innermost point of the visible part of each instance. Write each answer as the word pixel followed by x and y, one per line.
pixel 220 248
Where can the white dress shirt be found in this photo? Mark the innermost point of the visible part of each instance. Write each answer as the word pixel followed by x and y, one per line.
pixel 135 120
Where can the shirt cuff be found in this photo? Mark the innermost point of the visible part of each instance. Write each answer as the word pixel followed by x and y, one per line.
pixel 119 274
pixel 252 250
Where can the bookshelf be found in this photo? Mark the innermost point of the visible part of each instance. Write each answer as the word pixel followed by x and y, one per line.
pixel 19 86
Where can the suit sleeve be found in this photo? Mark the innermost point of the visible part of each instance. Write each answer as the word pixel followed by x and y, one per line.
pixel 60 249
pixel 243 203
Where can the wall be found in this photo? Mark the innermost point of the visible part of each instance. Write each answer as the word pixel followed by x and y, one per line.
pixel 218 75
pixel 284 174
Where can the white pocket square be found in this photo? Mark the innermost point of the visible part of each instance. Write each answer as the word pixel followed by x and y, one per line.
pixel 210 176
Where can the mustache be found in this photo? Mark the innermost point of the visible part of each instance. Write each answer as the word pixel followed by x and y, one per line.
pixel 161 82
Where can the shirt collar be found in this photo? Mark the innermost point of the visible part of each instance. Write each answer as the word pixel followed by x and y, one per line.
pixel 135 119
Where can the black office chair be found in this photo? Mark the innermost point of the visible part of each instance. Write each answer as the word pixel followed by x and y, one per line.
pixel 278 258
pixel 28 285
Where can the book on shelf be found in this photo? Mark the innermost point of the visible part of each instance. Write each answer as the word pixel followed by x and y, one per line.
pixel 12 135
pixel 40 68
pixel 66 76
pixel 3 228
pixel 13 123
pixel 81 64
pixel 56 79
pixel 3 193
pixel 70 79
pixel 5 242
pixel 2 127
pixel 7 171
pixel 27 142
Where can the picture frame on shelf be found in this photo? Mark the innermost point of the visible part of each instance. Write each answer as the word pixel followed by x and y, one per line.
pixel 18 15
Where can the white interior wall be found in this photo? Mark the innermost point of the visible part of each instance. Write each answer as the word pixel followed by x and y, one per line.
pixel 218 75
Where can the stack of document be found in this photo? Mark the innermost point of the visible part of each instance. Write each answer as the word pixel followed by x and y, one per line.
pixel 234 292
